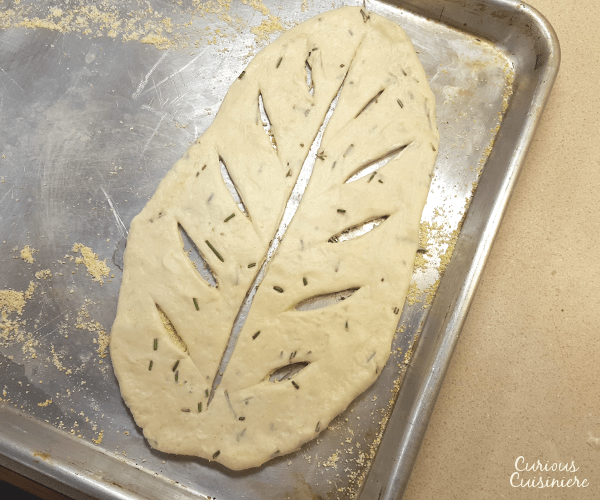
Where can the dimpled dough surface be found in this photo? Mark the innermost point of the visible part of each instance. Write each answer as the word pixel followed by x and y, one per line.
pixel 251 419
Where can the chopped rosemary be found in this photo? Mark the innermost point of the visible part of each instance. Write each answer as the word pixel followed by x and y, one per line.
pixel 365 16
pixel 293 355
pixel 186 410
pixel 396 310
pixel 278 289
pixel 304 281
pixel 279 62
pixel 380 181
pixel 155 344
pixel 400 103
pixel 321 155
pixel 318 427
pixel 175 365
pixel 242 418
pixel 242 75
pixel 150 365
pixel 206 392
pixel 295 385
pixel 289 173
pixel 199 407
pixel 347 329
pixel 196 303
pixel 256 335
pixel 216 454
pixel 229 218
pixel 203 167
pixel 251 265
pixel 214 250
pixel 177 376
pixel 372 175
pixel 341 210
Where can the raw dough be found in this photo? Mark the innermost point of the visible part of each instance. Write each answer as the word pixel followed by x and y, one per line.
pixel 345 345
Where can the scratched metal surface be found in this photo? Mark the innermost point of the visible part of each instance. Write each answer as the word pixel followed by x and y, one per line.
pixel 88 127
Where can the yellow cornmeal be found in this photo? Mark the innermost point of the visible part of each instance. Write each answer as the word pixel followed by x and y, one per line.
pixel 11 302
pixel 30 289
pixel 98 440
pixel 420 260
pixel 257 5
pixel 45 403
pixel 412 296
pixel 100 19
pixel 27 254
pixel 177 340
pixel 44 274
pixel 268 26
pixel 159 41
pixel 332 460
pixel 93 327
pixel 57 363
pixel 104 19
pixel 97 268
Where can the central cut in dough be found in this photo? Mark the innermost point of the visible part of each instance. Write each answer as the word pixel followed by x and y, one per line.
pixel 371 177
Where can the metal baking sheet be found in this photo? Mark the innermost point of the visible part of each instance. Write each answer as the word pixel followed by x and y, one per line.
pixel 98 100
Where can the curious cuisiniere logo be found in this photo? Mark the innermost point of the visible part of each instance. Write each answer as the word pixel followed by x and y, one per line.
pixel 519 478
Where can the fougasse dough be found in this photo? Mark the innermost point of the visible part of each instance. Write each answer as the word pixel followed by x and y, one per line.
pixel 385 104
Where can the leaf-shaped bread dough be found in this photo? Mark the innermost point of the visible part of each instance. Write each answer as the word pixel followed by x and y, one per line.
pixel 172 326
